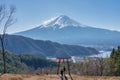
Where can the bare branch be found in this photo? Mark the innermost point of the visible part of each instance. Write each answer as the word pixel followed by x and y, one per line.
pixel 2 13
pixel 10 19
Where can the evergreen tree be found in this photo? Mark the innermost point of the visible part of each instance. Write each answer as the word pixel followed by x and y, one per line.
pixel 112 56
pixel 115 60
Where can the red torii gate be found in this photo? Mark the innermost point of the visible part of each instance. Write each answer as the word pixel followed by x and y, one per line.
pixel 62 60
pixel 67 60
pixel 63 56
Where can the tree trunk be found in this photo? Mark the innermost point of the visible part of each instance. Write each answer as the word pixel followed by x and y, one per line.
pixel 3 54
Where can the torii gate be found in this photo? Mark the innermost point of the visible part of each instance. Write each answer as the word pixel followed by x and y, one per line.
pixel 60 60
pixel 63 58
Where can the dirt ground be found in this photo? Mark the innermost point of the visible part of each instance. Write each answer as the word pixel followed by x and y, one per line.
pixel 52 77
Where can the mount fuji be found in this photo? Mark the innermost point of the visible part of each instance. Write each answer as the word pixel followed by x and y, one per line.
pixel 65 30
pixel 61 22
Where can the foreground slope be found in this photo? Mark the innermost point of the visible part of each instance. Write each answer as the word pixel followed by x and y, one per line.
pixel 53 77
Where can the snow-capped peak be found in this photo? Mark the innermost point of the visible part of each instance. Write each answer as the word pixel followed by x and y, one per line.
pixel 61 21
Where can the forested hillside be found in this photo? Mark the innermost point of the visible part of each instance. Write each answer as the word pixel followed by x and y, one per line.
pixel 24 63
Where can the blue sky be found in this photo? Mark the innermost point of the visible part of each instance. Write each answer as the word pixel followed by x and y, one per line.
pixel 95 13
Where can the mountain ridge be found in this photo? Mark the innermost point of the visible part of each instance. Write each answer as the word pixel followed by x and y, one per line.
pixel 20 45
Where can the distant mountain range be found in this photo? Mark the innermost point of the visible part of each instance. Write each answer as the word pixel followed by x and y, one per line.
pixel 65 30
pixel 21 45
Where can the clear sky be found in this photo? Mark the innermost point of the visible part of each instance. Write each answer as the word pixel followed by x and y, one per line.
pixel 96 13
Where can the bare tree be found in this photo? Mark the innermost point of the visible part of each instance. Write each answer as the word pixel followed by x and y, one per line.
pixel 6 20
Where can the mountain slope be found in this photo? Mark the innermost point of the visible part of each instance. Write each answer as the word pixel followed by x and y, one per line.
pixel 63 29
pixel 20 45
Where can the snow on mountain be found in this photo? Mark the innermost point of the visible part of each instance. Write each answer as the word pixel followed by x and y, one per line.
pixel 65 30
pixel 61 21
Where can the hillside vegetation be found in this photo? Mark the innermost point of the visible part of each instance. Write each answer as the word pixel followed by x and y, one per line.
pixel 24 63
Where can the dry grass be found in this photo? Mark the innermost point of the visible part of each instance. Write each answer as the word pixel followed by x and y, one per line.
pixel 52 77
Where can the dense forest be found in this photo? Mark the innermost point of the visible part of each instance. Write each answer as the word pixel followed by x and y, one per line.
pixel 24 63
